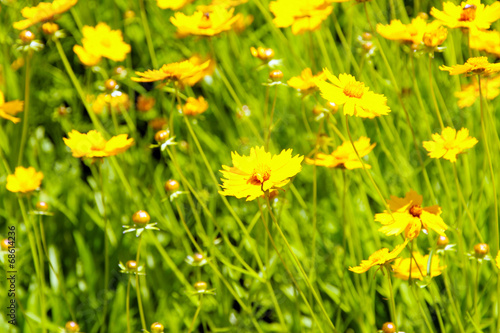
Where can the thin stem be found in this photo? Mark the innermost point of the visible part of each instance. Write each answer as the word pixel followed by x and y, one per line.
pixel 147 32
pixel 391 299
pixel 106 252
pixel 196 314
pixel 138 289
pixel 269 129
pixel 128 303
pixel 24 134
pixel 42 272
pixel 434 95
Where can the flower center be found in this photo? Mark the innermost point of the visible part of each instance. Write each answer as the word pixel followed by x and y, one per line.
pixel 106 42
pixel 260 174
pixel 468 13
pixel 416 211
pixel 354 89
pixel 205 21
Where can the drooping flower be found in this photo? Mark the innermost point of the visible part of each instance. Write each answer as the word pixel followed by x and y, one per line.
pixel 24 180
pixel 100 41
pixel 251 176
pixel 449 144
pixel 195 106
pixel 344 156
pixel 408 215
pixel 93 145
pixel 204 23
pixel 410 33
pixel 306 81
pixel 9 109
pixel 357 99
pixel 418 264
pixel 380 257
pixel 470 14
pixel 176 71
pixel 172 4
pixel 301 15
pixel 473 66
pixel 43 12
pixel 470 92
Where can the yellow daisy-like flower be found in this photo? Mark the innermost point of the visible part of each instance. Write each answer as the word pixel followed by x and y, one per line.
pixel 195 106
pixel 409 216
pixel 44 11
pixel 198 76
pixel 301 15
pixel 470 14
pixel 306 82
pixel 251 176
pixel 101 41
pixel 488 41
pixel 435 36
pixel 401 267
pixel 396 30
pixel 172 4
pixel 344 156
pixel 24 180
pixel 175 71
pixel 93 145
pixel 449 144
pixel 9 109
pixel 116 100
pixel 204 23
pixel 470 92
pixel 380 257
pixel 473 66
pixel 357 99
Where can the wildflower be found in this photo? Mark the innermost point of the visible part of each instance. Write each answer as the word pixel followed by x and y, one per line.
pixel 306 81
pixel 408 215
pixel 131 267
pixel 380 257
pixel 470 14
pixel 488 41
pixel 276 76
pixel 470 92
pixel 204 23
pixel 145 103
pixel 264 54
pixel 344 156
pixel 435 37
pixel 357 99
pixel 172 4
pixel 301 15
pixel 195 106
pixel 389 327
pixel 116 100
pixel 141 220
pixel 473 66
pixel 175 71
pixel 481 250
pixel 171 185
pixel 9 109
pixel 93 145
pixel 24 180
pixel 449 143
pixel 411 33
pixel 101 41
pixel 157 328
pixel 260 172
pixel 43 12
pixel 50 28
pixel 201 287
pixel 443 242
pixel 197 77
pixel 162 136
pixel 72 326
pixel 197 259
pixel 418 265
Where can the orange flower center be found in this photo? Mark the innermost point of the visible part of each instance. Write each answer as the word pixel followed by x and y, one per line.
pixel 205 21
pixel 416 211
pixel 354 89
pixel 260 175
pixel 468 13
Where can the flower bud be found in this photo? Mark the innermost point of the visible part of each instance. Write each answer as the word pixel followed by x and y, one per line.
pixel 333 107
pixel 318 109
pixel 5 244
pixel 367 36
pixel 27 36
pixel 481 250
pixel 42 206
pixel 141 217
pixel 171 185
pixel 63 110
pixel 162 136
pixel 367 46
pixel 131 265
pixel 423 15
pixel 129 14
pixel 50 28
pixel 184 145
pixel 119 71
pixel 198 257
pixel 72 326
pixel 442 242
pixel 110 84
pixel 276 75
pixel 201 286
pixel 388 328
pixel 157 328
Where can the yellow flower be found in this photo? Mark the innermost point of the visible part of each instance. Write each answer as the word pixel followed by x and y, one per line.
pixel 194 107
pixel 204 23
pixel 401 267
pixel 301 15
pixel 50 28
pixel 488 41
pixel 93 145
pixel 470 92
pixel 99 42
pixel 253 175
pixel 449 143
pixel 10 109
pixel 380 257
pixel 435 37
pixel 174 71
pixel 411 33
pixel 357 99
pixel 44 11
pixel 172 4
pixel 344 156
pixel 116 100
pixel 409 216
pixel 470 14
pixel 220 3
pixel 306 81
pixel 24 180
pixel 198 76
pixel 473 66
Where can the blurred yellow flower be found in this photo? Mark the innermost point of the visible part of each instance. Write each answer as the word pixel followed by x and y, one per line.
pixel 50 28
pixel 172 4
pixel 470 92
pixel 435 36
pixel 301 15
pixel 116 100
pixel 401 267
pixel 306 82
pixel 101 41
pixel 263 53
pixel 344 156
pixel 242 23
pixel 357 99
pixel 470 14
pixel 198 76
pixel 408 215
pixel 175 71
pixel 253 175
pixel 449 143
pixel 488 41
pixel 93 145
pixel 44 11
pixel 9 109
pixel 204 23
pixel 473 66
pixel 195 106
pixel 411 33
pixel 24 180
pixel 380 257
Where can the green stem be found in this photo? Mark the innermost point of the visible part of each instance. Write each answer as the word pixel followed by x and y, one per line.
pixel 24 134
pixel 139 300
pixel 147 32
pixel 128 303
pixel 391 299
pixel 196 314
pixel 106 251
pixel 434 100
pixel 271 117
